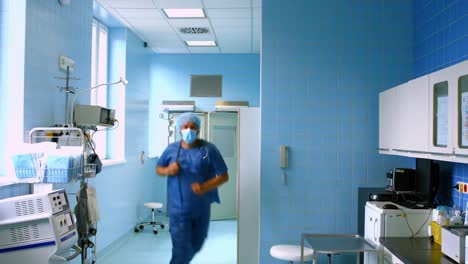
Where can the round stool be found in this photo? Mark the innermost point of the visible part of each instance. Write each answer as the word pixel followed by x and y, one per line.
pixel 153 206
pixel 291 253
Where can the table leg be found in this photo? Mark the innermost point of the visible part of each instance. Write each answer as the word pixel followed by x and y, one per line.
pixel 329 258
pixel 302 251
pixel 358 258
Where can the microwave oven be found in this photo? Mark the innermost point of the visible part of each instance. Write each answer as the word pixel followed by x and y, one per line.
pixel 401 180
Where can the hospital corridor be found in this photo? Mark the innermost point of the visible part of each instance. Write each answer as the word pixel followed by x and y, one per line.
pixel 146 248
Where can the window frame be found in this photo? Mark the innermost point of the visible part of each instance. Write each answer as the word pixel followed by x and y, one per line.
pixel 13 37
pixel 109 142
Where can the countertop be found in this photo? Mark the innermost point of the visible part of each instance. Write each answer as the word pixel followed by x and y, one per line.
pixel 415 250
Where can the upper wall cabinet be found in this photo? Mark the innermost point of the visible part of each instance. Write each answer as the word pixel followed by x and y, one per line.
pixel 413 120
pixel 386 126
pixel 441 101
pixel 459 80
pixel 404 119
pixel 430 115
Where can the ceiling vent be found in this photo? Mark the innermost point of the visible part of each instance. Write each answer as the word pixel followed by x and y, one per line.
pixel 194 30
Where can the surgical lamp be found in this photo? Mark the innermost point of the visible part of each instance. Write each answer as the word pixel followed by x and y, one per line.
pixel 122 80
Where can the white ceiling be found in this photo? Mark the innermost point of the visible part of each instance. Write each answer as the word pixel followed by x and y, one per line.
pixel 235 25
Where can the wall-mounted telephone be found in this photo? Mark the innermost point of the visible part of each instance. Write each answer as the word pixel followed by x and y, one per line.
pixel 283 161
pixel 283 156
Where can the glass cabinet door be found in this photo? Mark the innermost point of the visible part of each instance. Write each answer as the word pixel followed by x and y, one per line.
pixel 463 112
pixel 441 114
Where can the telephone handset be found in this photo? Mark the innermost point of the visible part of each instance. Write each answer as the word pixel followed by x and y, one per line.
pixel 284 161
pixel 283 156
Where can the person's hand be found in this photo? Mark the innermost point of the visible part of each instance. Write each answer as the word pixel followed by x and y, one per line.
pixel 173 168
pixel 198 189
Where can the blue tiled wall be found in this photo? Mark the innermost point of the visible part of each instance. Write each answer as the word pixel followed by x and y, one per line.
pixel 440 34
pixel 54 30
pixel 241 77
pixel 171 81
pixel 441 40
pixel 323 65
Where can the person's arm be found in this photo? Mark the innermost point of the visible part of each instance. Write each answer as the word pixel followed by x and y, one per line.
pixel 207 186
pixel 170 170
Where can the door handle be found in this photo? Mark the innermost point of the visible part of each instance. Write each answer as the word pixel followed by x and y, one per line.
pixel 375 237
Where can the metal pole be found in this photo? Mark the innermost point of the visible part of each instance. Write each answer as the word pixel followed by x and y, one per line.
pixel 67 90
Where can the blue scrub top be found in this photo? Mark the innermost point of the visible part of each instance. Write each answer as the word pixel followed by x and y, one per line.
pixel 198 164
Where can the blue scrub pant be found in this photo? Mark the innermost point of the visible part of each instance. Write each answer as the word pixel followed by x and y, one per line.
pixel 188 233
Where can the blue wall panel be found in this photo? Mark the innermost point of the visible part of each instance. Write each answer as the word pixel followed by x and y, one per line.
pixel 53 30
pixel 323 66
pixel 441 40
pixel 241 79
pixel 171 73
pixel 440 34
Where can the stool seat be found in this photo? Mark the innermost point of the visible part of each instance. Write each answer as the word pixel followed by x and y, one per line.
pixel 153 205
pixel 291 252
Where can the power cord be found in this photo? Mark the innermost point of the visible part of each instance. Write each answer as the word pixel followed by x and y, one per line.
pixel 405 215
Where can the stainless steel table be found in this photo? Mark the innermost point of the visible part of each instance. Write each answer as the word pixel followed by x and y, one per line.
pixel 337 243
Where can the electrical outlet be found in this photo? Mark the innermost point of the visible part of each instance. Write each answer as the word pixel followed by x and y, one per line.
pixel 462 187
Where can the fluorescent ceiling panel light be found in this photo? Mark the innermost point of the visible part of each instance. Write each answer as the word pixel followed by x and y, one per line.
pixel 184 13
pixel 201 43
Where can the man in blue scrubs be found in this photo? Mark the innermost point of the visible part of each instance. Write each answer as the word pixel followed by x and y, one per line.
pixel 195 169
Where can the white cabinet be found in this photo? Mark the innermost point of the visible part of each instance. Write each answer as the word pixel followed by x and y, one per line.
pixel 389 258
pixel 441 118
pixel 448 136
pixel 459 80
pixel 372 232
pixel 427 117
pixel 403 119
pixel 372 225
pixel 415 102
pixel 386 127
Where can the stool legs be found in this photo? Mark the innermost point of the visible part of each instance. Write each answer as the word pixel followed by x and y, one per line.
pixel 153 222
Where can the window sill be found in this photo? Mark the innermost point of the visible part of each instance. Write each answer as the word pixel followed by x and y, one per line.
pixel 111 162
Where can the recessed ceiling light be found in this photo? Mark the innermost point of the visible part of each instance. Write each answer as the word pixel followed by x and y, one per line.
pixel 184 13
pixel 201 43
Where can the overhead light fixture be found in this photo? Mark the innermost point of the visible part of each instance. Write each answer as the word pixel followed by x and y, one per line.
pixel 201 43
pixel 184 13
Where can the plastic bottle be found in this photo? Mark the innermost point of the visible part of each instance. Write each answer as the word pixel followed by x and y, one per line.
pixel 456 219
pixel 442 218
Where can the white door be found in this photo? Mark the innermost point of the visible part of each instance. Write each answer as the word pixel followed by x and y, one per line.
pixel 441 101
pixel 459 80
pixel 223 132
pixel 417 122
pixel 372 232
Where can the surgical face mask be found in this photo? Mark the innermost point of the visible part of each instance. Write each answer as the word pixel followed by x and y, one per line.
pixel 189 135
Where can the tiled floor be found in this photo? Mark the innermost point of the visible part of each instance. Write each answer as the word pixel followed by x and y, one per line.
pixel 145 247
